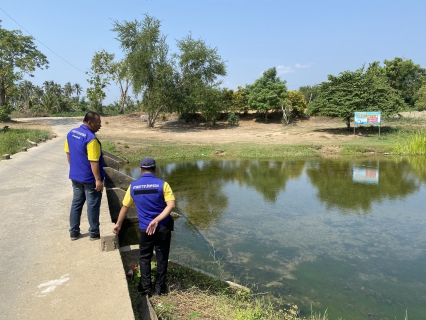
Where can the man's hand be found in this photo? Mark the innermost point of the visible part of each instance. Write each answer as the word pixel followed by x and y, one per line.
pixel 97 174
pixel 116 228
pixel 99 186
pixel 151 227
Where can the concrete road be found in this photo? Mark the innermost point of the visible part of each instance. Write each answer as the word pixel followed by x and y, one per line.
pixel 43 274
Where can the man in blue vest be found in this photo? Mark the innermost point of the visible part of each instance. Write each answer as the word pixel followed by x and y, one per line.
pixel 154 201
pixel 84 154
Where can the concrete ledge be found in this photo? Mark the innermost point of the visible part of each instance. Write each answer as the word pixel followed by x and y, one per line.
pixel 115 199
pixel 114 157
pixel 109 162
pixel 146 311
pixel 109 240
pixel 116 179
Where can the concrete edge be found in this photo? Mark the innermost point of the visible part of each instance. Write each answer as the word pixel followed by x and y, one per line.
pixel 114 157
pixel 111 163
pixel 146 310
pixel 109 240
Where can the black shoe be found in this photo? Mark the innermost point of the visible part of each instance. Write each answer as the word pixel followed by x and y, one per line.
pixel 161 290
pixel 144 292
pixel 95 236
pixel 74 235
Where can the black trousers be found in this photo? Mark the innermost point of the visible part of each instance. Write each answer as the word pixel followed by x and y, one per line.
pixel 160 240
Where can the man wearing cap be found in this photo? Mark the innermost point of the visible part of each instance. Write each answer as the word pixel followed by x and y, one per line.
pixel 154 202
pixel 84 154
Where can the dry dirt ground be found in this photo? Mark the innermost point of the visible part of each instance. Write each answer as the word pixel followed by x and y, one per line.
pixel 313 130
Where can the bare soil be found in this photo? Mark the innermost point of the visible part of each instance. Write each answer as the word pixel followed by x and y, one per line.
pixel 250 130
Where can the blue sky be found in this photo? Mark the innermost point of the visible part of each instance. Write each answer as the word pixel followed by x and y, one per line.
pixel 305 40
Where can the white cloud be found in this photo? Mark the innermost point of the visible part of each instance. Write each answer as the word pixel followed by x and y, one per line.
pixel 298 65
pixel 284 70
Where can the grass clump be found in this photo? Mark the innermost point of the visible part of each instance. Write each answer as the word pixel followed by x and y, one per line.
pixel 413 144
pixel 13 140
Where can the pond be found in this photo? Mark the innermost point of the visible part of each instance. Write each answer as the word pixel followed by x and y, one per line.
pixel 343 235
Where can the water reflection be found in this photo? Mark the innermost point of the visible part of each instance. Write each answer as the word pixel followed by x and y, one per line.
pixel 269 178
pixel 293 227
pixel 336 187
pixel 199 190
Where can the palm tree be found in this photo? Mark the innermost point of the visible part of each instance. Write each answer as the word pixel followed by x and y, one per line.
pixel 50 102
pixel 47 85
pixel 78 89
pixel 52 87
pixel 68 89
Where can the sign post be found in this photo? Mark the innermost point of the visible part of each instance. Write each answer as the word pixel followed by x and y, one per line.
pixel 367 118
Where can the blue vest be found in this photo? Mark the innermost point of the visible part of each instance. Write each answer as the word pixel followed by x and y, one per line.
pixel 80 169
pixel 147 193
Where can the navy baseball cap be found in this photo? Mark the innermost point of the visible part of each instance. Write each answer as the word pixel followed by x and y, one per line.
pixel 147 163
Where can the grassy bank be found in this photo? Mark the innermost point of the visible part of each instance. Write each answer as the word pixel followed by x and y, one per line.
pixel 193 295
pixel 12 140
pixel 160 150
pixel 398 136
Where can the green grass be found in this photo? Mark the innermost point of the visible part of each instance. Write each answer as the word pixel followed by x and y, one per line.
pixel 13 140
pixel 412 145
pixel 395 133
pixel 134 152
pixel 193 295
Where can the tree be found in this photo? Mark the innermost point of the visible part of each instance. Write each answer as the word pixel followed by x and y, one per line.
pixel 309 92
pixel 298 102
pixel 420 104
pixel 239 100
pixel 123 77
pixel 227 99
pixel 210 103
pixel 77 88
pixel 266 93
pixel 406 77
pixel 293 105
pixel 102 71
pixel 51 87
pixel 168 82
pixel 18 56
pixel 360 90
pixel 68 89
pixel 199 67
pixel 147 61
pixel 50 102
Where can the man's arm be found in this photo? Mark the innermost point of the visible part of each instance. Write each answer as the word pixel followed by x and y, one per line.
pixel 97 173
pixel 163 215
pixel 94 153
pixel 121 216
pixel 67 150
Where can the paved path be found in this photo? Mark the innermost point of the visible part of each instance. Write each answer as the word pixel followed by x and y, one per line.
pixel 43 274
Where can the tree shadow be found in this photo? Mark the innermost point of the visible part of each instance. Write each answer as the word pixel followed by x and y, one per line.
pixel 178 126
pixel 360 130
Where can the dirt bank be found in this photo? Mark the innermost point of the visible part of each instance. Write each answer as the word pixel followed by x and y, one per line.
pixel 313 130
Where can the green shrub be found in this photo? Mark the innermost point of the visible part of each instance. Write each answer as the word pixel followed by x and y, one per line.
pixel 233 119
pixel 5 111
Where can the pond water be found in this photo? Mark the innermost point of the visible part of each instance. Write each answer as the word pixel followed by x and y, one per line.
pixel 346 236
